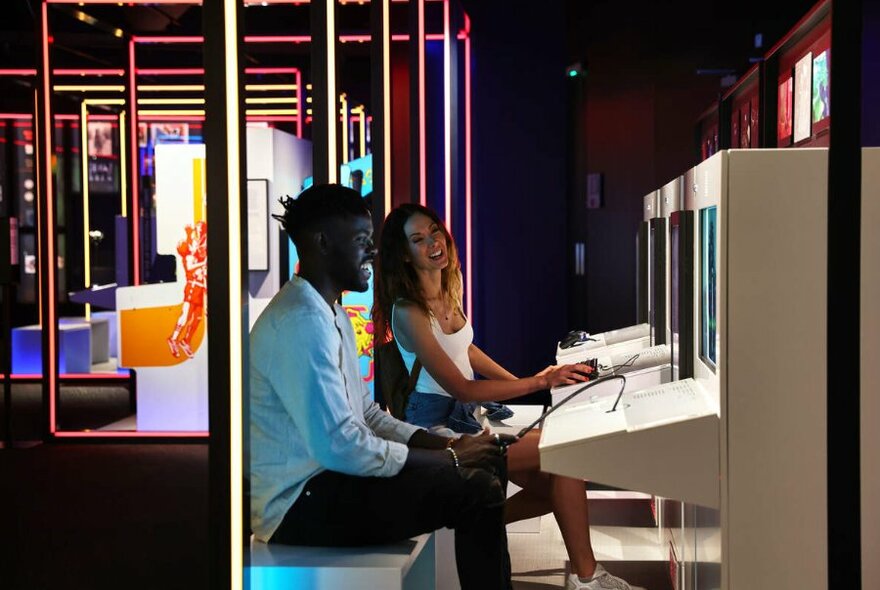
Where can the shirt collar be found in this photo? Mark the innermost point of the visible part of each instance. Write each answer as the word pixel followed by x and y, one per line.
pixel 309 291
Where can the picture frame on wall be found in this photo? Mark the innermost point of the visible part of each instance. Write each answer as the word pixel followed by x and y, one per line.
pixel 258 224
pixel 821 91
pixel 745 127
pixel 803 85
pixel 784 112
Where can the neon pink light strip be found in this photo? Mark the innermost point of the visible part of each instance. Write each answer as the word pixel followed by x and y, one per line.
pixel 447 117
pixel 50 217
pixel 468 209
pixel 8 72
pixel 131 434
pixel 16 116
pixel 134 210
pixel 201 71
pixel 277 39
pixel 423 197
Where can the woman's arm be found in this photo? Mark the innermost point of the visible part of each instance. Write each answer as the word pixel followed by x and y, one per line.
pixel 414 333
pixel 483 365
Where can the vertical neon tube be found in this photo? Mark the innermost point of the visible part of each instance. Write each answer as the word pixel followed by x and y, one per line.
pixel 423 191
pixel 363 134
pixel 51 323
pixel 135 222
pixel 123 189
pixel 447 116
pixel 343 111
pixel 84 159
pixel 386 103
pixel 468 195
pixel 332 119
pixel 236 430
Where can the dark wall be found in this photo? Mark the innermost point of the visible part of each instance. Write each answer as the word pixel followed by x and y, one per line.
pixel 519 118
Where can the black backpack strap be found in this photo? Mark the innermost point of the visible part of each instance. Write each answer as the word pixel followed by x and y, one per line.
pixel 414 376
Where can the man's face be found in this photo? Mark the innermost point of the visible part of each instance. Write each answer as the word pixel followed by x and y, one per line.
pixel 350 252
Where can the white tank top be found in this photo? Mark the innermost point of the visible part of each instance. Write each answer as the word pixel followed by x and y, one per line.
pixel 454 345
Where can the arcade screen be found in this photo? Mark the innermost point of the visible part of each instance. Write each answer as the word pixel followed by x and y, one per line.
pixel 802 87
pixel 709 286
pixel 821 87
pixel 783 108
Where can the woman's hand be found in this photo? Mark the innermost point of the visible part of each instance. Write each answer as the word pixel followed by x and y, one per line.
pixel 480 450
pixel 557 375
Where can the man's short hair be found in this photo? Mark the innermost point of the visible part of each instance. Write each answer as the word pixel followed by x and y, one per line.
pixel 317 204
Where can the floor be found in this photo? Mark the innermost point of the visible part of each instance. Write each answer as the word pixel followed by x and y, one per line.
pixel 634 553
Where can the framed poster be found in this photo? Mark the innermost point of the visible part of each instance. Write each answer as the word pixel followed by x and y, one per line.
pixel 745 127
pixel 258 224
pixel 803 82
pixel 821 104
pixel 783 113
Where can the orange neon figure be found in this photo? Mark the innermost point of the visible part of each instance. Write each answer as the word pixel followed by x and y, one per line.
pixel 193 253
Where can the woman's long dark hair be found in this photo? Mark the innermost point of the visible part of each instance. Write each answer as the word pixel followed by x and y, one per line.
pixel 395 278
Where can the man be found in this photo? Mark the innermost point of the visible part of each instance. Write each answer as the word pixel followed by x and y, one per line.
pixel 328 466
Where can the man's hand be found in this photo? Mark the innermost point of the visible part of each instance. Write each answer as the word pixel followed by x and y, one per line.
pixel 480 450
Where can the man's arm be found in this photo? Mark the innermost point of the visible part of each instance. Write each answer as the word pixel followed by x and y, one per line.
pixel 304 371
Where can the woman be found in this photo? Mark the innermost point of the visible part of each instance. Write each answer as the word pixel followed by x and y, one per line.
pixel 418 300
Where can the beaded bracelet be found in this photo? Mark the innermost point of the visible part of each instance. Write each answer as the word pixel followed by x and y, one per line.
pixel 454 456
pixel 450 442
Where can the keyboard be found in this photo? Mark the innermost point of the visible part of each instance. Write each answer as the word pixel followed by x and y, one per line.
pixel 671 402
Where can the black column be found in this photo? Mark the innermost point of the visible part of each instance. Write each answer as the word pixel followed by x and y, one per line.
pixel 844 220
pixel 227 264
pixel 379 78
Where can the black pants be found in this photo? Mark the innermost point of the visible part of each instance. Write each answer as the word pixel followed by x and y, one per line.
pixel 337 510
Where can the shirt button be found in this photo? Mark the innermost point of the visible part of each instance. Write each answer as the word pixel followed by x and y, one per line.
pixel 308 493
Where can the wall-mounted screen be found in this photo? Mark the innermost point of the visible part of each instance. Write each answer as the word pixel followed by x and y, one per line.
pixel 803 83
pixel 709 286
pixel 821 87
pixel 783 110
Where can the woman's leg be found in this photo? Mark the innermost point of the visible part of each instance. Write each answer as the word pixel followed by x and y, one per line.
pixel 532 500
pixel 568 500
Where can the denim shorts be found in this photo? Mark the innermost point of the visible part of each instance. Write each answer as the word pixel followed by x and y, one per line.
pixel 430 410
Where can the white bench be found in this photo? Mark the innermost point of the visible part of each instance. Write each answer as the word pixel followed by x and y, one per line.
pixel 408 565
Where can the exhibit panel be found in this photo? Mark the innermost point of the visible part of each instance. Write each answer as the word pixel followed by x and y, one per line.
pixel 759 274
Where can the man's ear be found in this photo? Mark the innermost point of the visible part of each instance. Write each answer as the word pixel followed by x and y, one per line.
pixel 321 242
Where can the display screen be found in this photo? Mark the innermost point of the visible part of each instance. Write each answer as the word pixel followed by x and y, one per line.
pixel 783 121
pixel 802 87
pixel 821 87
pixel 709 286
pixel 674 262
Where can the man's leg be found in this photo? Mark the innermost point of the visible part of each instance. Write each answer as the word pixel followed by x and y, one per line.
pixel 343 510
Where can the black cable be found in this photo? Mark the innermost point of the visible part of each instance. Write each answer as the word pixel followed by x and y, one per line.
pixel 579 390
pixel 628 363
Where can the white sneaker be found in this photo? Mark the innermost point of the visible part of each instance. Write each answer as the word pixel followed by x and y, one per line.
pixel 601 580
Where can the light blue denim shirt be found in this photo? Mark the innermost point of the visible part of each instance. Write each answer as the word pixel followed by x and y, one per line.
pixel 310 409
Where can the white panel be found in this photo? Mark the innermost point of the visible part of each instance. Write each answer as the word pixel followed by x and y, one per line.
pixel 259 153
pixel 174 192
pixel 870 363
pixel 775 374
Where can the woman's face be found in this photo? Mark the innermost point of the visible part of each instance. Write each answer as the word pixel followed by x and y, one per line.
pixel 426 243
